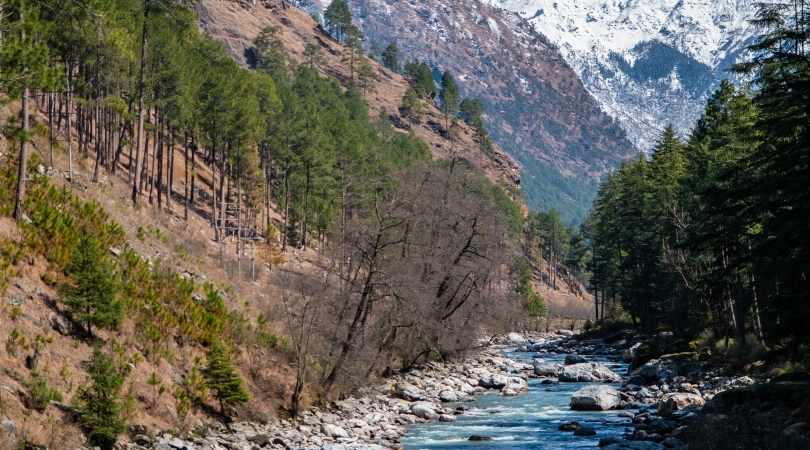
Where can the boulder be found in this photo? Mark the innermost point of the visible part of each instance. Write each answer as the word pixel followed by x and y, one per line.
pixel 588 373
pixel 547 369
pixel 408 392
pixel 477 438
pixel 516 339
pixel 565 332
pixel 447 418
pixel 448 396
pixel 8 427
pixel 424 410
pixel 630 354
pixel 334 431
pixel 493 381
pixel 574 359
pixel 670 403
pixel 595 398
pixel 570 426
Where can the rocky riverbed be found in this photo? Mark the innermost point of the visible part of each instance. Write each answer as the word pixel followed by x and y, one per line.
pixel 657 399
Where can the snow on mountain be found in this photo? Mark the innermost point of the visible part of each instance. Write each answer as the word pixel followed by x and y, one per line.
pixel 647 62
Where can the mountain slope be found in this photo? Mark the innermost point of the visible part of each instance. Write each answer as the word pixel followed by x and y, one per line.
pixel 237 23
pixel 538 110
pixel 648 63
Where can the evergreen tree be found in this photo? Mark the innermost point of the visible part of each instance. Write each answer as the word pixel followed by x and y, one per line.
pixel 222 379
pixel 390 57
pixel 471 111
pixel 338 19
pixel 421 79
pixel 92 295
pixel 99 403
pixel 269 55
pixel 25 65
pixel 449 98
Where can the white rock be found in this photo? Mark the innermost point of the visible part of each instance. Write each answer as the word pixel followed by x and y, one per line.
pixel 448 396
pixel 516 338
pixel 334 431
pixel 589 373
pixel 595 398
pixel 424 410
pixel 671 403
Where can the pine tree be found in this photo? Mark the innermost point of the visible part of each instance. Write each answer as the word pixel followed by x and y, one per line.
pixel 390 57
pixel 25 67
pixel 92 295
pixel 99 403
pixel 338 19
pixel 421 79
pixel 449 98
pixel 269 56
pixel 222 378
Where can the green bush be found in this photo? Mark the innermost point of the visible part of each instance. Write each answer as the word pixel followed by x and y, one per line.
pixel 99 402
pixel 40 393
pixel 222 379
pixel 92 296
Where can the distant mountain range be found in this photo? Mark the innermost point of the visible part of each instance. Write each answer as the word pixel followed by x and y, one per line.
pixel 572 87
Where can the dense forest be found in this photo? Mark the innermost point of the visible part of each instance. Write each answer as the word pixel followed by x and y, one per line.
pixel 709 236
pixel 415 252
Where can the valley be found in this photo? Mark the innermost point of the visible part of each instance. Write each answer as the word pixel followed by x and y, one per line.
pixel 273 224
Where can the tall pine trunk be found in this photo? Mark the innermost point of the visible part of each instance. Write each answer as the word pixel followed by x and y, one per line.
pixel 22 168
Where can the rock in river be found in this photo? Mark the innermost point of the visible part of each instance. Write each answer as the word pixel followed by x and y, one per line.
pixel 595 398
pixel 671 403
pixel 589 373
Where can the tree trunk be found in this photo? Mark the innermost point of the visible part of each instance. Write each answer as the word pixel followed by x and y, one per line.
pixel 136 187
pixel 22 168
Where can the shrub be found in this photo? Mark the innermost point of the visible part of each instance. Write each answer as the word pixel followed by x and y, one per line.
pixel 93 296
pixel 222 378
pixel 40 393
pixel 99 402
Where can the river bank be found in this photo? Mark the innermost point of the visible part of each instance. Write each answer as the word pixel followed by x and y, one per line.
pixel 377 417
pixel 652 405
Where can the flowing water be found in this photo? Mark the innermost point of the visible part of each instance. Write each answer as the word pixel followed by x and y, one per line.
pixel 528 421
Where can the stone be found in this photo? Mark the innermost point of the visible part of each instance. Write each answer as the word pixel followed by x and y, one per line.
pixel 446 418
pixel 424 410
pixel 9 427
pixel 334 431
pixel 509 392
pixel 588 373
pixel 61 324
pixel 143 439
pixel 565 332
pixel 595 398
pixel 546 369
pixel 570 426
pixel 493 381
pixel 670 403
pixel 796 429
pixel 516 338
pixel 574 359
pixel 448 396
pixel 408 392
pixel 477 438
pixel 630 354
pixel 260 439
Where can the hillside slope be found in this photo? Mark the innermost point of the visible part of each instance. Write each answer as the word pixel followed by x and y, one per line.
pixel 237 23
pixel 538 109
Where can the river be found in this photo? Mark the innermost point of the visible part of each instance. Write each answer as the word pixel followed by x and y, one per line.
pixel 528 421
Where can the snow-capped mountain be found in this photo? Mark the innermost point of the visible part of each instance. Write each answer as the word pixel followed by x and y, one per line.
pixel 647 62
